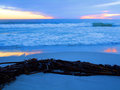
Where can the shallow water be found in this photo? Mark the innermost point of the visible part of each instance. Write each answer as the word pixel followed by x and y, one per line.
pixel 42 81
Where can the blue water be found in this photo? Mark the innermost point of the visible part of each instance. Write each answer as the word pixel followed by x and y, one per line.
pixel 60 36
pixel 66 32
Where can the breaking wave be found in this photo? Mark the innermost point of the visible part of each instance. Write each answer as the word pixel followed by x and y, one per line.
pixel 65 33
pixel 78 37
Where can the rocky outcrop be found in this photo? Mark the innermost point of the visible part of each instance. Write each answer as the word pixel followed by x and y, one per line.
pixel 77 68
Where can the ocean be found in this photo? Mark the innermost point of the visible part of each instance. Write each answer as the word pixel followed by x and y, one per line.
pixel 41 34
pixel 67 39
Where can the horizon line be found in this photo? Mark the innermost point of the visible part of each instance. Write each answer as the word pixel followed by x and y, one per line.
pixel 61 19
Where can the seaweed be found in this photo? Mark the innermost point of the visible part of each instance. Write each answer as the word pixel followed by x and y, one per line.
pixel 76 68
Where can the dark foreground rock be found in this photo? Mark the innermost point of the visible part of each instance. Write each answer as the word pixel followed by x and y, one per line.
pixel 77 68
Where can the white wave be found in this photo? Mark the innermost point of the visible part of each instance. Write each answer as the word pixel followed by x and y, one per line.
pixel 74 36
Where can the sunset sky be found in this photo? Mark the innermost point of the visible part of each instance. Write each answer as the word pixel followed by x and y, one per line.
pixel 60 9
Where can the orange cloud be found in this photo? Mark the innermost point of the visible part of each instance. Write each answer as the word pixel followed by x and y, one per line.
pixel 100 16
pixel 105 11
pixel 16 14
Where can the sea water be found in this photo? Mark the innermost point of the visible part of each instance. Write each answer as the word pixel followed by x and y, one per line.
pixel 56 33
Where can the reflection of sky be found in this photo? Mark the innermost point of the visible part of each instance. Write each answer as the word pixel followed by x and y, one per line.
pixel 6 54
pixel 56 49
pixel 111 50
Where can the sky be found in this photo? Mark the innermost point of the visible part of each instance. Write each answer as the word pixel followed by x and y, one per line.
pixel 59 9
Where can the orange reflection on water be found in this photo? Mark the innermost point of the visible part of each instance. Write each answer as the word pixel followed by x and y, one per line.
pixel 112 50
pixel 6 54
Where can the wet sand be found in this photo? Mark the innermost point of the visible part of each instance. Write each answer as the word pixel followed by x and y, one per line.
pixel 65 82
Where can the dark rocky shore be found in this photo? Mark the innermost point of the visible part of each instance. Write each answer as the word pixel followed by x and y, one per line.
pixel 77 68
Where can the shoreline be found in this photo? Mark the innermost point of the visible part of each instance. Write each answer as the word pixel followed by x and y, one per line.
pixel 93 57
pixel 96 58
pixel 69 48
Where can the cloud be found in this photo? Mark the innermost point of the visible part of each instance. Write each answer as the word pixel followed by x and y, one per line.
pixel 108 4
pixel 7 7
pixel 100 16
pixel 7 12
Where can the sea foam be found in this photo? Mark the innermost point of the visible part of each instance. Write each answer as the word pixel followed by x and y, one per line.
pixel 67 33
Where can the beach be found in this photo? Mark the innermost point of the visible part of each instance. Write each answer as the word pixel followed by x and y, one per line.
pixel 65 82
pixel 93 57
pixel 65 39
